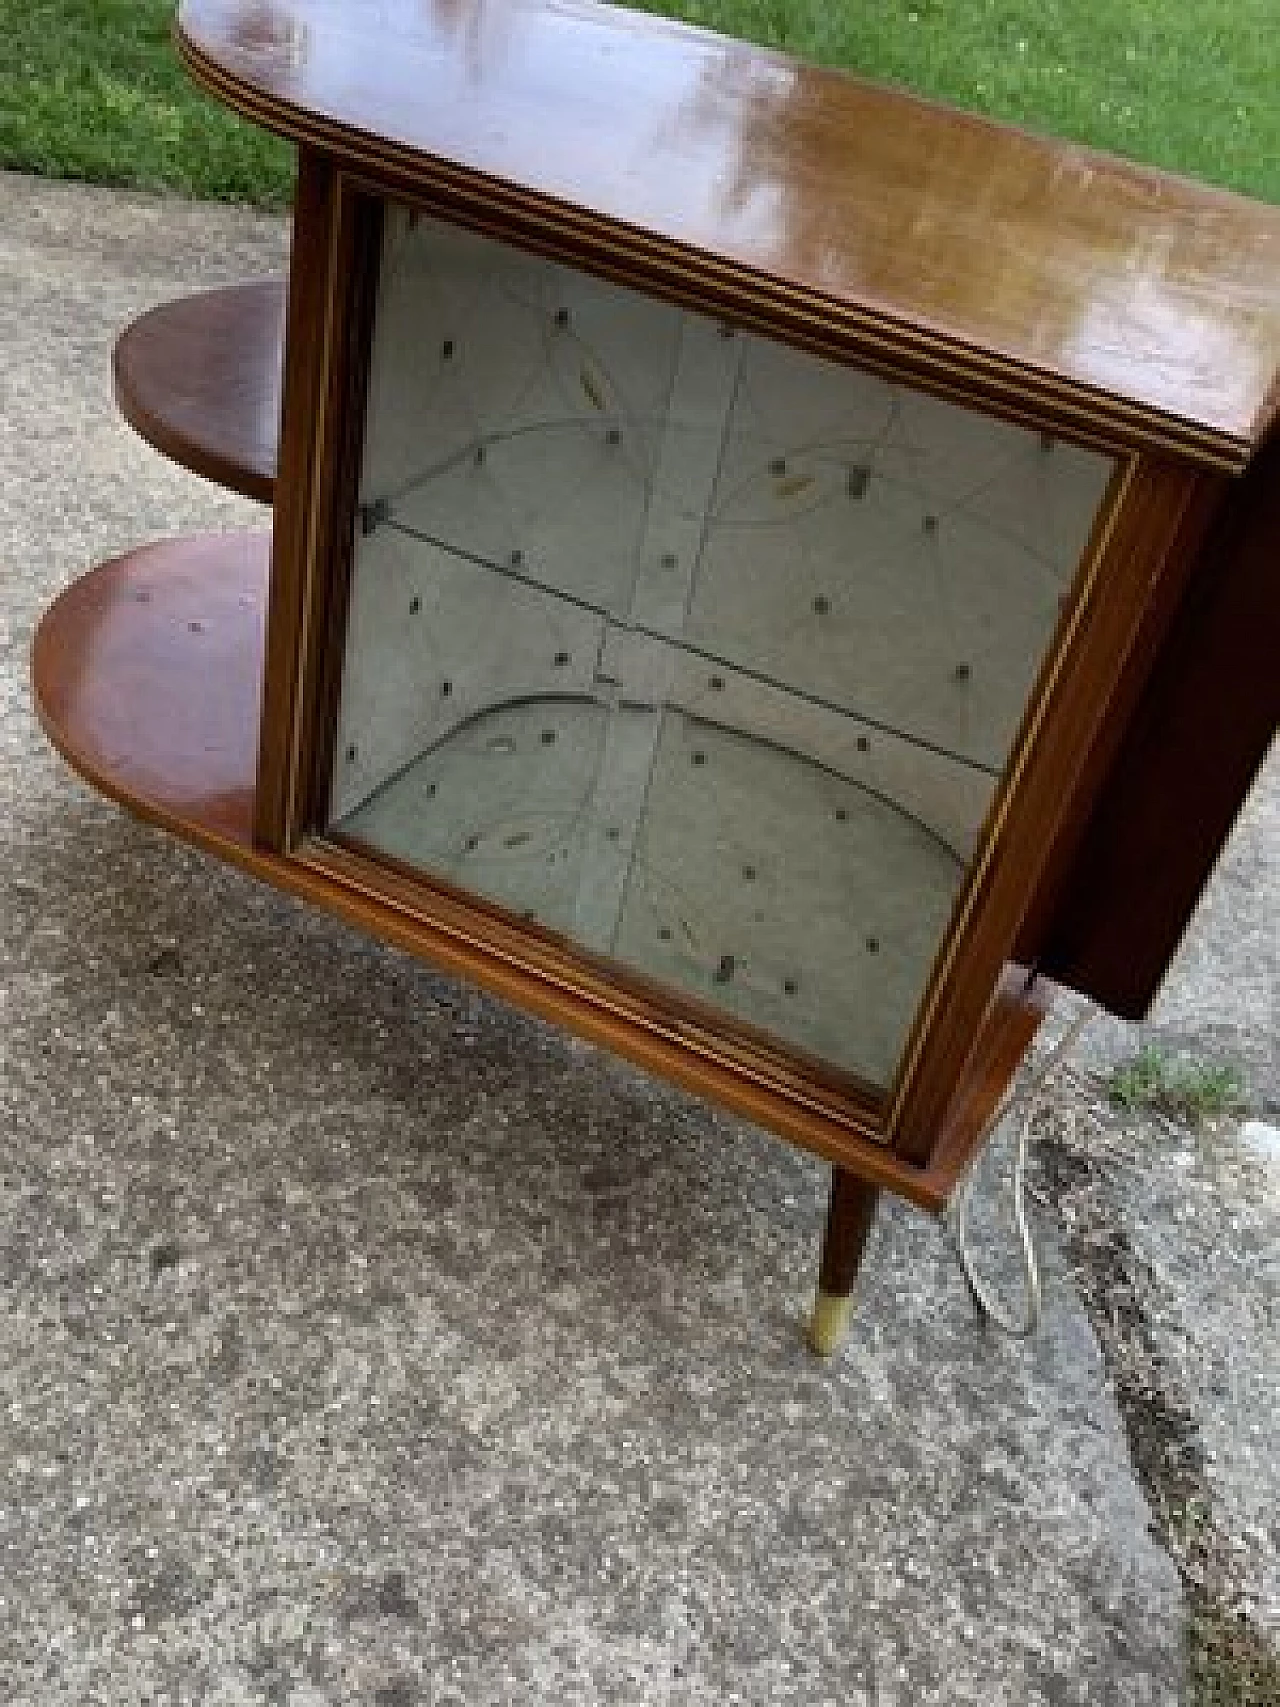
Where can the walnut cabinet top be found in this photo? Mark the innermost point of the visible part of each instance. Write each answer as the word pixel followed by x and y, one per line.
pixel 1110 301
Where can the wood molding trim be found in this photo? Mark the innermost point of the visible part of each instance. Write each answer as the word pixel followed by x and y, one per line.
pixel 331 284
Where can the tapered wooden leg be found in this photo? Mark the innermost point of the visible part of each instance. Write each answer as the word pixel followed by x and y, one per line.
pixel 850 1212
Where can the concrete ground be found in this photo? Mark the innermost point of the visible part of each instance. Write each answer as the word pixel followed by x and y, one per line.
pixel 362 1341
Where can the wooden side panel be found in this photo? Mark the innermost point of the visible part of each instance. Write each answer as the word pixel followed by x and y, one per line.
pixel 1202 729
pixel 327 333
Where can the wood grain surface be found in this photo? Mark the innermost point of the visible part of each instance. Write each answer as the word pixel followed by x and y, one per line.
pixel 1104 297
pixel 147 674
pixel 199 378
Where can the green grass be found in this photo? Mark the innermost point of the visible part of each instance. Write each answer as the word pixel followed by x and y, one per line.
pixel 1196 1092
pixel 91 88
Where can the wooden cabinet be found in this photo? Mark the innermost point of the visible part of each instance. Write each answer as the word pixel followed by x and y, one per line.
pixel 765 571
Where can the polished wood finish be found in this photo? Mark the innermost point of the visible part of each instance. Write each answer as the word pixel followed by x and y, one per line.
pixel 851 1213
pixel 199 379
pixel 1206 719
pixel 325 573
pixel 1097 296
pixel 331 276
pixel 146 678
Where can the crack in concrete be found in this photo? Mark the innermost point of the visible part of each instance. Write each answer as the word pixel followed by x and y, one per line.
pixel 1229 1658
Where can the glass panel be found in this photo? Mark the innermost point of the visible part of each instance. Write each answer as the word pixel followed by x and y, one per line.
pixel 701 651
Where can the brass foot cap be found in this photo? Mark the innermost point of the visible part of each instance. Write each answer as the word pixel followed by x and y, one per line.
pixel 829 1323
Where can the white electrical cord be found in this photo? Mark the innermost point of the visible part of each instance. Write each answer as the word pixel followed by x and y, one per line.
pixel 1024 1099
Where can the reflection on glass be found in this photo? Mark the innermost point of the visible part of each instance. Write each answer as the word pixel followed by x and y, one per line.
pixel 701 651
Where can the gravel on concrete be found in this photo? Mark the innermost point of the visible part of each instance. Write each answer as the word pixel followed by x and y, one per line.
pixel 362 1341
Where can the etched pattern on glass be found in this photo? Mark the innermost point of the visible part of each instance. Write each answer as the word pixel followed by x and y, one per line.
pixel 701 651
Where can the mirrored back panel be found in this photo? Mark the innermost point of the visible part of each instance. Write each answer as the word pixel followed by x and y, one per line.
pixel 700 651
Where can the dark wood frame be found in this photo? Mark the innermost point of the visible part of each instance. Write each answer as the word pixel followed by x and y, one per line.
pixel 1142 539
pixel 332 279
pixel 1199 730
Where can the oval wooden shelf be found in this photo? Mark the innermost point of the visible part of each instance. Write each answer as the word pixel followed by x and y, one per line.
pixel 199 378
pixel 146 675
